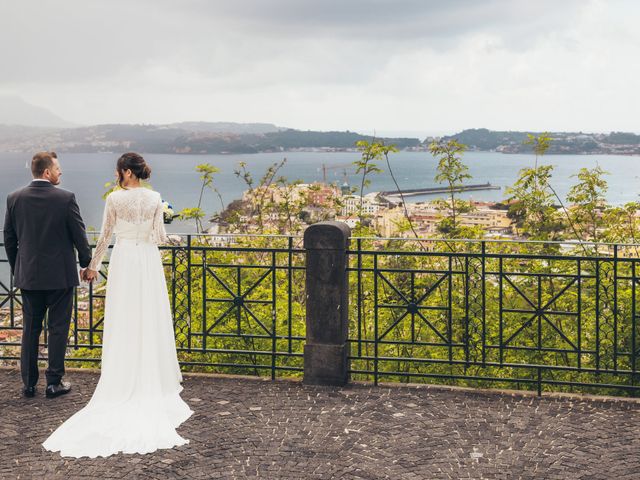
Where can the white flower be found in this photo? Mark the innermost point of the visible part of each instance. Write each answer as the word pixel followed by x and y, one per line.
pixel 167 208
pixel 167 212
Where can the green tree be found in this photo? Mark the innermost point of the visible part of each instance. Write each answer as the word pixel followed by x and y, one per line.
pixel 540 144
pixel 532 197
pixel 533 204
pixel 371 152
pixel 622 223
pixel 588 197
pixel 452 172
pixel 207 172
pixel 196 214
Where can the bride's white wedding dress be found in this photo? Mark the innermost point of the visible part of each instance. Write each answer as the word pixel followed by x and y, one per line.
pixel 136 405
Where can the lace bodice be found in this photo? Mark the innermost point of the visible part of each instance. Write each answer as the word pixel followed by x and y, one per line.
pixel 135 214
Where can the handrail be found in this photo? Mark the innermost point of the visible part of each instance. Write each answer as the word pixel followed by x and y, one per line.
pixel 567 242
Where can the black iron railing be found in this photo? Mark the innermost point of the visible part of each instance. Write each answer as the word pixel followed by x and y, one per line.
pixel 236 303
pixel 485 313
pixel 542 316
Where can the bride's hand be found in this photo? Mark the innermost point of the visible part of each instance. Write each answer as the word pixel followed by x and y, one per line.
pixel 90 275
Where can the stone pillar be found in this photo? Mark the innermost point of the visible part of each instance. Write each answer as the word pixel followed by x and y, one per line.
pixel 326 348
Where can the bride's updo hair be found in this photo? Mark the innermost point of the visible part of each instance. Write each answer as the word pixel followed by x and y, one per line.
pixel 134 162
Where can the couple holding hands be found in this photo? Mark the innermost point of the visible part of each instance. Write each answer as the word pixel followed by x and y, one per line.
pixel 136 406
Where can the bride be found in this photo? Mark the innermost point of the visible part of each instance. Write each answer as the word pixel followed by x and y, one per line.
pixel 136 405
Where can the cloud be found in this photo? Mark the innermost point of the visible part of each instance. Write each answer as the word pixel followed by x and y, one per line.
pixel 358 64
pixel 50 41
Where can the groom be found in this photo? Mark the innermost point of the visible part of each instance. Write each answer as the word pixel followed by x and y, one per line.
pixel 41 228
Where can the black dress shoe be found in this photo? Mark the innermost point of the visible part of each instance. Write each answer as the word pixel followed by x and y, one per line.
pixel 57 390
pixel 29 392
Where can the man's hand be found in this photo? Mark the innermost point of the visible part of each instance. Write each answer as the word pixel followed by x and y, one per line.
pixel 90 275
pixel 87 275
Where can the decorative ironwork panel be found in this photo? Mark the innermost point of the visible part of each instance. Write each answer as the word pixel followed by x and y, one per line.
pixel 533 315
pixel 237 304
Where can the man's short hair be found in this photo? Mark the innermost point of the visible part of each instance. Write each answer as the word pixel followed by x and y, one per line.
pixel 40 162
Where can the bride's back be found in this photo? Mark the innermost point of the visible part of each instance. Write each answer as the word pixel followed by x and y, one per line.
pixel 134 211
pixel 131 213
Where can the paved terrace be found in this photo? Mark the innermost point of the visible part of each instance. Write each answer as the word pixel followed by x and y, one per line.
pixel 253 428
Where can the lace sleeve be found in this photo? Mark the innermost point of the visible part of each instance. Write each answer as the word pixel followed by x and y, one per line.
pixel 108 222
pixel 158 233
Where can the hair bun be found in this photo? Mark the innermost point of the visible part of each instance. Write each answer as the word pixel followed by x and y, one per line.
pixel 134 162
pixel 145 172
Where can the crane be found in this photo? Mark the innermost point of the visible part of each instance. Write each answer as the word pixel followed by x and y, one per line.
pixel 326 167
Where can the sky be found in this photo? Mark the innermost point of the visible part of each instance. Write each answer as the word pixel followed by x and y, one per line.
pixel 374 66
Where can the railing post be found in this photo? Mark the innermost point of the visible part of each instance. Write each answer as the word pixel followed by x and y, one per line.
pixel 326 350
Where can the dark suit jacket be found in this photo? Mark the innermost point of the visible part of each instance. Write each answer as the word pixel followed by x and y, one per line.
pixel 41 228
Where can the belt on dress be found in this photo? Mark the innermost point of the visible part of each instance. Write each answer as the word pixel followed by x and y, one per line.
pixel 146 239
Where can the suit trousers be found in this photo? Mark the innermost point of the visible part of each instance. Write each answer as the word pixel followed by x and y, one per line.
pixel 35 304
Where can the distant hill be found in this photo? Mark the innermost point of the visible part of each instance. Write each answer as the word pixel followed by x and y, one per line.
pixel 285 140
pixel 187 137
pixel 229 137
pixel 15 111
pixel 25 128
pixel 227 127
pixel 617 143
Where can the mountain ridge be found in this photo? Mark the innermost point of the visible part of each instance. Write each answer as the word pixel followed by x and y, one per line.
pixel 25 127
pixel 14 111
pixel 149 138
pixel 506 141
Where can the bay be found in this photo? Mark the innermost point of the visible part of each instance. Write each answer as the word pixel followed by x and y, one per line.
pixel 175 176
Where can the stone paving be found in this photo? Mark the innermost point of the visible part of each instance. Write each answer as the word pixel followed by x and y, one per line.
pixel 252 428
